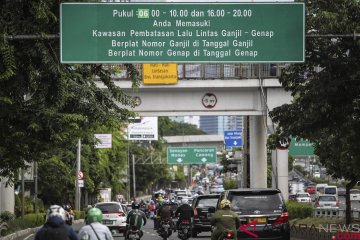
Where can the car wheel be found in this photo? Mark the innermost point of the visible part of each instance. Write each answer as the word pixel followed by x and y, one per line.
pixel 194 234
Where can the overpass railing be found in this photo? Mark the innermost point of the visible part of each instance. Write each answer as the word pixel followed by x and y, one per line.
pixel 215 71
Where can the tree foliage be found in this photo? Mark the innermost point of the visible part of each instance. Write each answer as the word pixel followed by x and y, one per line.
pixel 45 105
pixel 326 88
pixel 173 128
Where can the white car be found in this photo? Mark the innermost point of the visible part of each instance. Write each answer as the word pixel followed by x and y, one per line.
pixel 114 215
pixel 354 195
pixel 303 197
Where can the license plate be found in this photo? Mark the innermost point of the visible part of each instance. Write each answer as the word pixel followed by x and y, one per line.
pixel 132 236
pixel 259 220
pixel 108 222
pixel 166 226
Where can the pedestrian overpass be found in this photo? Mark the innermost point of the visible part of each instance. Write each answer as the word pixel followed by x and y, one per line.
pixel 218 89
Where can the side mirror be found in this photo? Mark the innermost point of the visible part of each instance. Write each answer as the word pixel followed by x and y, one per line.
pixel 211 209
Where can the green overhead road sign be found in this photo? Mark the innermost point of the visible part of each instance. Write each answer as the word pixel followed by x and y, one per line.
pixel 182 32
pixel 191 155
pixel 301 147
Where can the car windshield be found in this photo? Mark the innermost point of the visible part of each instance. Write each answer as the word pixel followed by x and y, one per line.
pixel 109 208
pixel 207 202
pixel 330 190
pixel 354 191
pixel 256 201
pixel 302 195
pixel 180 193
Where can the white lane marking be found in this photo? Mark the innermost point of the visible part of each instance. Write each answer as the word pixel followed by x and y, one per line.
pixel 28 237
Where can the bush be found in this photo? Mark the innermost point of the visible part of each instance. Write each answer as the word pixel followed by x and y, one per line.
pixel 230 184
pixel 299 210
pixel 79 215
pixel 29 221
pixel 36 219
pixel 7 216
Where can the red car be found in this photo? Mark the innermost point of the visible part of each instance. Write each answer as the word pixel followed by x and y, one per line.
pixel 310 189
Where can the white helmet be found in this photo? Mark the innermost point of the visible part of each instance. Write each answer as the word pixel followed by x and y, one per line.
pixel 184 201
pixel 56 210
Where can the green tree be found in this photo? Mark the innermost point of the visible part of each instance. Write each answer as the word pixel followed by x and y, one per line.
pixel 173 128
pixel 326 90
pixel 45 105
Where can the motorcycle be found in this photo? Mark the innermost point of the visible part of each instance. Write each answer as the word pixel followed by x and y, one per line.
pixel 227 235
pixel 165 229
pixel 69 218
pixel 134 233
pixel 184 230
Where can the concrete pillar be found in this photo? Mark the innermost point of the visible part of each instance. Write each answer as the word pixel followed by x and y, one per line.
pixel 258 163
pixel 274 175
pixel 282 155
pixel 7 197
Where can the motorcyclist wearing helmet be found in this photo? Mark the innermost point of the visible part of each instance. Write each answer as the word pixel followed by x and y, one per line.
pixel 55 227
pixel 94 230
pixel 165 213
pixel 185 211
pixel 159 203
pixel 224 219
pixel 69 214
pixel 135 217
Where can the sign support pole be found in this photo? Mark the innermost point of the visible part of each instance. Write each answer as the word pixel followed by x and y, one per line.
pixel 78 167
pixel 133 169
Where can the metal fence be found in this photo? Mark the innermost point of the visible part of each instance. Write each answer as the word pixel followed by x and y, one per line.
pixel 216 71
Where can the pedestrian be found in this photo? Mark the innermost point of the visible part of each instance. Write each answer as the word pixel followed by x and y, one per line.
pixel 55 227
pixel 94 230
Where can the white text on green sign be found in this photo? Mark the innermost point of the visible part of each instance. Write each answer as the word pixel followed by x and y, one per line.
pixel 188 155
pixel 182 32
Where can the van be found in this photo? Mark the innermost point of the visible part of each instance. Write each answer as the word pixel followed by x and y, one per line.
pixel 320 188
pixel 331 190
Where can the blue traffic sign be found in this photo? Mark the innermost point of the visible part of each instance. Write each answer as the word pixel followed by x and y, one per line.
pixel 233 138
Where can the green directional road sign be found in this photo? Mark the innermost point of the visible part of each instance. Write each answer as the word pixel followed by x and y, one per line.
pixel 191 155
pixel 301 147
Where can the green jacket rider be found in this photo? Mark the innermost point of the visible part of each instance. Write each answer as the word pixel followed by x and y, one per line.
pixel 224 219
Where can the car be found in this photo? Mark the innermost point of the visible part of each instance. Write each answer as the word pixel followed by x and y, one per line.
pixel 327 201
pixel 216 188
pixel 316 173
pixel 310 189
pixel 262 210
pixel 341 192
pixel 114 215
pixel 354 195
pixel 331 190
pixel 320 188
pixel 292 197
pixel 200 205
pixel 303 197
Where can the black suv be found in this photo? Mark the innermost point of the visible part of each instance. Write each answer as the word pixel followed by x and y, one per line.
pixel 201 204
pixel 262 212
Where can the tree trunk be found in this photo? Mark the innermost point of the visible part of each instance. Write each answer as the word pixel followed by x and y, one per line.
pixel 349 186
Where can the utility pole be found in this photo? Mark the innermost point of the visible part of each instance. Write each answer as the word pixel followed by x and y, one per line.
pixel 36 186
pixel 22 192
pixel 245 152
pixel 133 170
pixel 78 167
